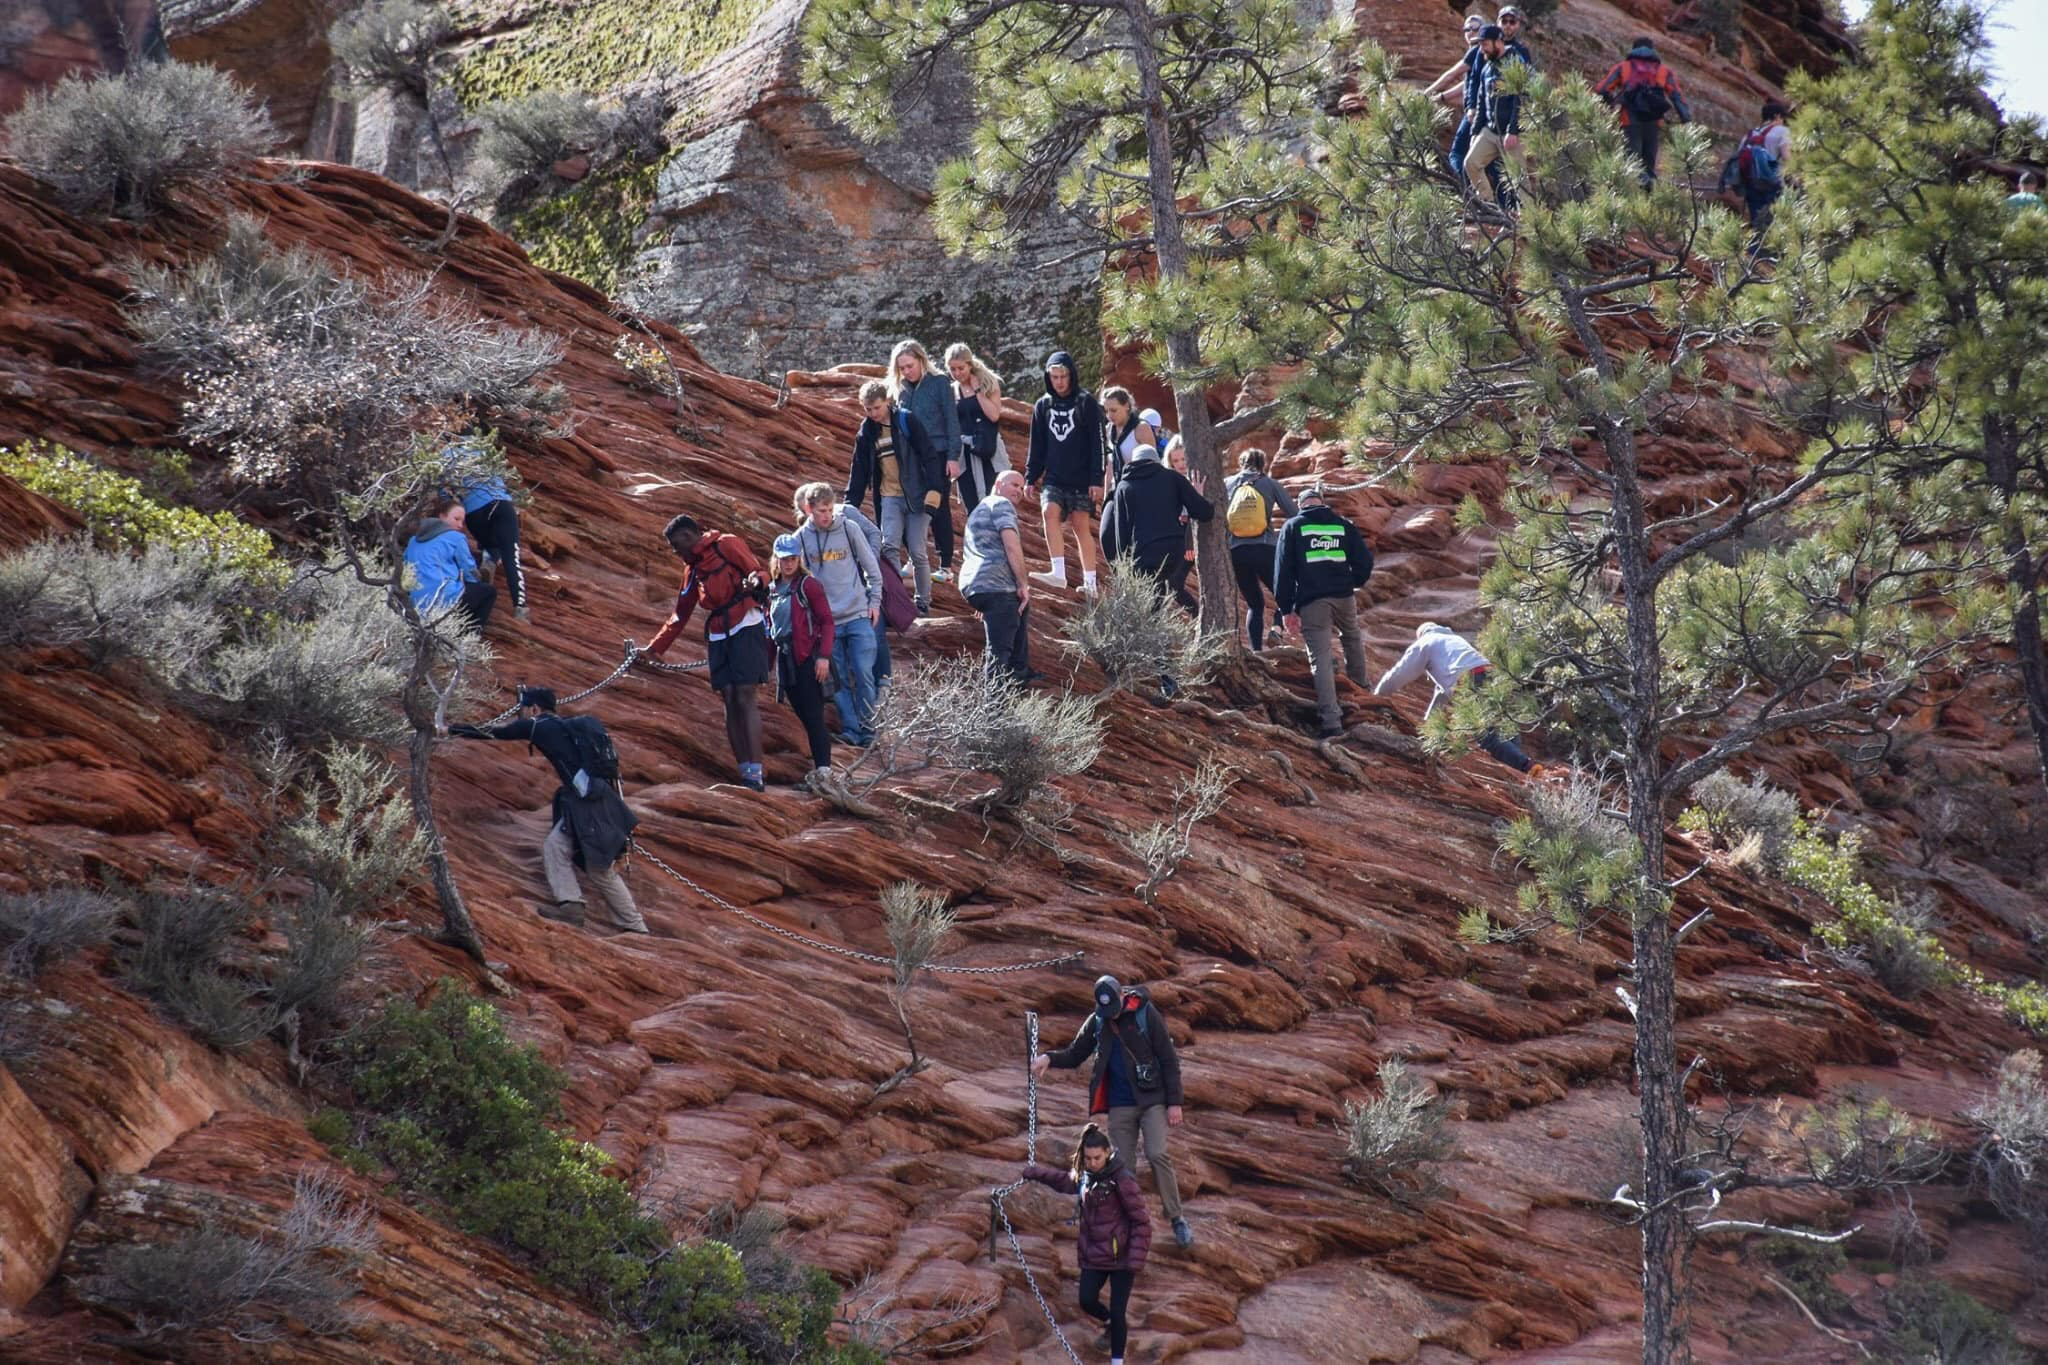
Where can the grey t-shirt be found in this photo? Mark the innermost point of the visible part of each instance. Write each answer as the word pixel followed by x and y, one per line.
pixel 986 566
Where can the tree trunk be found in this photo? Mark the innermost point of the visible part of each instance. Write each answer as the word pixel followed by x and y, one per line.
pixel 1183 348
pixel 456 926
pixel 2023 573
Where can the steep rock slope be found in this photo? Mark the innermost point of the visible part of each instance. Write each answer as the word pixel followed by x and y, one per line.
pixel 1309 939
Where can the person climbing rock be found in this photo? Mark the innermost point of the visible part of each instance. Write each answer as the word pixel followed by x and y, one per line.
pixel 1135 1083
pixel 723 576
pixel 920 389
pixel 592 827
pixel 1115 1231
pixel 1147 519
pixel 841 549
pixel 444 571
pixel 1320 561
pixel 1497 123
pixel 978 398
pixel 1253 503
pixel 993 579
pixel 800 624
pixel 894 456
pixel 493 518
pixel 1068 432
pixel 1449 658
pixel 1645 91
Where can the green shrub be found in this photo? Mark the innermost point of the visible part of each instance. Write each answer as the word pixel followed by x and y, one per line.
pixel 524 138
pixel 123 141
pixel 321 670
pixel 390 45
pixel 1582 860
pixel 355 837
pixel 118 510
pixel 464 1114
pixel 41 928
pixel 164 606
pixel 190 960
pixel 1933 1321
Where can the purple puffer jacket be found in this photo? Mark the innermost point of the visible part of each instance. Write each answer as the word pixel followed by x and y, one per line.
pixel 1116 1232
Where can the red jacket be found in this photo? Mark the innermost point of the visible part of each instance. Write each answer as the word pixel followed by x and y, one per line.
pixel 1116 1232
pixel 720 566
pixel 1639 70
pixel 804 646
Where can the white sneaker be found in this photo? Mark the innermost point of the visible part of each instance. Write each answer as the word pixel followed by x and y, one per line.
pixel 1049 579
pixel 942 575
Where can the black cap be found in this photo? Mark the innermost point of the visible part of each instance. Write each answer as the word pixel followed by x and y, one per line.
pixel 543 697
pixel 1108 990
pixel 1492 31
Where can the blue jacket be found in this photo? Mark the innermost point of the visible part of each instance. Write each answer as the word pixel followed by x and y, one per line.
pixel 441 563
pixel 1499 109
pixel 477 496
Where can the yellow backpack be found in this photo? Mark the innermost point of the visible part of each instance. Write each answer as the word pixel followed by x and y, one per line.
pixel 1248 515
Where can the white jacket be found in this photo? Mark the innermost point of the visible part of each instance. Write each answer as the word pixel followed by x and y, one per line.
pixel 1442 653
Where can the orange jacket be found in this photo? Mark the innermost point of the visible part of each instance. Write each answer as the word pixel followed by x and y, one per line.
pixel 1638 69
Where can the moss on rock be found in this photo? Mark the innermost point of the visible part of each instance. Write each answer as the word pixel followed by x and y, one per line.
pixel 590 231
pixel 599 45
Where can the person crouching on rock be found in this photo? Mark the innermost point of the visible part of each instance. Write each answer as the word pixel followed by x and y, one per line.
pixel 1115 1230
pixel 800 624
pixel 1135 1085
pixel 724 577
pixel 591 826
pixel 444 571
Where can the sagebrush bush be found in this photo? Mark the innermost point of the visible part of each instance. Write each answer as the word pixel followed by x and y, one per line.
pixel 1389 1139
pixel 355 838
pixel 323 669
pixel 1936 1322
pixel 40 928
pixel 123 141
pixel 390 45
pixel 250 1289
pixel 119 510
pixel 464 1114
pixel 1734 811
pixel 526 137
pixel 193 958
pixel 1582 859
pixel 164 606
pixel 1136 633
pixel 2010 1159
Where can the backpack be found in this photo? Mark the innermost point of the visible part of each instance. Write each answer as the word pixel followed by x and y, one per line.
pixel 1248 515
pixel 1642 94
pixel 744 593
pixel 1756 165
pixel 782 610
pixel 595 755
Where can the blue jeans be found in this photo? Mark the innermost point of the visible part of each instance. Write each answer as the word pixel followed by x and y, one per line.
pixel 853 654
pixel 908 527
pixel 1461 142
pixel 1506 750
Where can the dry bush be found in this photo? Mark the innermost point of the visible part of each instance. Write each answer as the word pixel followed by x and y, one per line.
pixel 2011 1155
pixel 43 927
pixel 1137 634
pixel 524 138
pixel 355 838
pixel 1161 847
pixel 1736 812
pixel 192 958
pixel 323 669
pixel 1388 1140
pixel 121 142
pixel 251 1289
pixel 1897 953
pixel 918 922
pixel 390 45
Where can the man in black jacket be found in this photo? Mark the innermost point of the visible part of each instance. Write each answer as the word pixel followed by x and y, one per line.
pixel 591 827
pixel 1135 1083
pixel 1320 561
pixel 1143 519
pixel 1069 439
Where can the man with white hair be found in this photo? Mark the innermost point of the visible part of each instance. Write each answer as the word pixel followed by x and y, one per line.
pixel 1448 658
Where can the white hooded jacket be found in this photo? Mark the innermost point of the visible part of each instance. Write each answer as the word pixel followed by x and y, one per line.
pixel 1439 651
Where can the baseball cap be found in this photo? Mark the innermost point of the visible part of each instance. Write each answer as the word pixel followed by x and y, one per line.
pixel 788 544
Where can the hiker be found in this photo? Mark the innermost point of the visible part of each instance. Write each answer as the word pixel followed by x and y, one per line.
pixel 1497 123
pixel 800 624
pixel 1066 457
pixel 492 517
pixel 1645 91
pixel 1760 165
pixel 724 578
pixel 894 455
pixel 1319 562
pixel 2026 195
pixel 444 572
pixel 1135 1082
pixel 917 386
pixel 591 827
pixel 1128 429
pixel 1175 457
pixel 1463 73
pixel 1143 520
pixel 1115 1232
pixel 1449 658
pixel 1511 25
pixel 978 399
pixel 993 580
pixel 1253 505
pixel 839 549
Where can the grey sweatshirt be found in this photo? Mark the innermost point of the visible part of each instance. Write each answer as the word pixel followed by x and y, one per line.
pixel 841 558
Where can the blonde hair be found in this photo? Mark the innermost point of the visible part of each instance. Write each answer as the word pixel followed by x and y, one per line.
pixel 904 348
pixel 874 389
pixel 811 494
pixel 984 378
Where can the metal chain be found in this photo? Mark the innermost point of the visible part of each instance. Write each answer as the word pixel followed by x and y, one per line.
pixel 634 654
pixel 997 1196
pixel 822 946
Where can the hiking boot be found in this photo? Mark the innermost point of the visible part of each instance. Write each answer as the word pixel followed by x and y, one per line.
pixel 522 612
pixel 1049 580
pixel 1183 1234
pixel 564 912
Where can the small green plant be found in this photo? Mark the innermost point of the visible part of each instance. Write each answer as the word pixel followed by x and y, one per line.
pixel 1388 1140
pixel 1934 1321
pixel 40 928
pixel 119 511
pixel 1582 860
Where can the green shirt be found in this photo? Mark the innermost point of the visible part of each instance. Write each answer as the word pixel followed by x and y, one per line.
pixel 2020 203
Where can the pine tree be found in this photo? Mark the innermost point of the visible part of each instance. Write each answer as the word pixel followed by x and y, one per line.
pixel 1898 152
pixel 1124 116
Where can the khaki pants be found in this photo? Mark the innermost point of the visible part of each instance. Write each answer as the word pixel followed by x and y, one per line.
pixel 1318 620
pixel 558 861
pixel 1126 1122
pixel 1487 148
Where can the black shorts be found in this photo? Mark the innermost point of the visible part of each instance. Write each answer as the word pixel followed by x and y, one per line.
pixel 1070 500
pixel 741 659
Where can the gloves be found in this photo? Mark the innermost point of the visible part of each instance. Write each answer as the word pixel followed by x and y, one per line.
pixel 467 732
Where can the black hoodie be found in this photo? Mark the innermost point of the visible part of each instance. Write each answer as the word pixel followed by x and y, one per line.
pixel 1068 434
pixel 1143 514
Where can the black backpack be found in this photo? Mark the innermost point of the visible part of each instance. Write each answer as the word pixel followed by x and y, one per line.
pixel 1642 94
pixel 594 752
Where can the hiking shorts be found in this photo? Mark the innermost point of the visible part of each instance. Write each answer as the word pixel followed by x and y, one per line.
pixel 1070 500
pixel 741 659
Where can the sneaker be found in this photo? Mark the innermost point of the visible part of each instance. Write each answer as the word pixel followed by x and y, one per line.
pixel 925 608
pixel 1102 1342
pixel 1183 1234
pixel 942 575
pixel 851 740
pixel 1330 732
pixel 1168 688
pixel 486 562
pixel 564 912
pixel 523 612
pixel 753 784
pixel 1049 580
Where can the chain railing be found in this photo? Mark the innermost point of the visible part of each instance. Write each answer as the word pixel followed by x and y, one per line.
pixel 634 654
pixel 997 1196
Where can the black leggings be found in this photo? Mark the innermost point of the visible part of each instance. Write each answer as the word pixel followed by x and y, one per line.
pixel 942 524
pixel 806 697
pixel 1119 1282
pixel 496 528
pixel 1253 567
